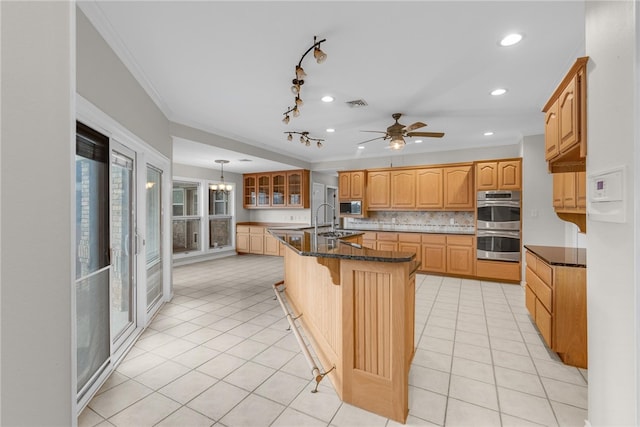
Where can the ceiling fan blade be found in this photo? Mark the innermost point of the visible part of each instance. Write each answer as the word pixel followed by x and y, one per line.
pixel 376 131
pixel 427 134
pixel 369 140
pixel 416 125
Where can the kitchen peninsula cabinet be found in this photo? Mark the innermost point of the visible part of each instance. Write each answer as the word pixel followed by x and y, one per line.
pixel 556 298
pixel 566 121
pixel 351 185
pixel 282 189
pixel 379 190
pixel 459 194
pixel 499 175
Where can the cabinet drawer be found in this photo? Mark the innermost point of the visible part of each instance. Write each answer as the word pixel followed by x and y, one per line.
pixel 530 301
pixel 409 237
pixel 545 272
pixel 543 320
pixel 388 237
pixel 542 291
pixel 434 239
pixel 531 260
pixel 242 228
pixel 256 230
pixel 460 240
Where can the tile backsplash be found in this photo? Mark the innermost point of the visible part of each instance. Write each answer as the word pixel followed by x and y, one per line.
pixel 431 221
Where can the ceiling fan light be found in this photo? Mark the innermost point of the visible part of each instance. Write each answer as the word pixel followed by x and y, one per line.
pixel 319 55
pixel 397 143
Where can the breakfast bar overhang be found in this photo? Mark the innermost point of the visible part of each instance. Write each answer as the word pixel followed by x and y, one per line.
pixel 357 307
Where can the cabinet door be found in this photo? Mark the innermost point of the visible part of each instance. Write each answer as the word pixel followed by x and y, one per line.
pixel 569 190
pixel 357 184
pixel 278 189
pixel 271 245
pixel 460 260
pixel 569 116
pixel 264 190
pixel 410 247
pixel 387 246
pixel 242 242
pixel 558 190
pixel 294 187
pixel 581 190
pixel 249 191
pixel 530 301
pixel 543 321
pixel 487 176
pixel 403 189
pixel 434 258
pixel 509 175
pixel 429 188
pixel 458 188
pixel 551 132
pixel 256 244
pixel 344 185
pixel 379 189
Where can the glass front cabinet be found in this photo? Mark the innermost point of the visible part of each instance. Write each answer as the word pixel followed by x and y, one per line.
pixel 282 189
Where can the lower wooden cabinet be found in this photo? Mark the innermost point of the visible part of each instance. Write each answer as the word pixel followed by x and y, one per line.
pixel 271 245
pixel 556 298
pixel 434 253
pixel 461 255
pixel 256 240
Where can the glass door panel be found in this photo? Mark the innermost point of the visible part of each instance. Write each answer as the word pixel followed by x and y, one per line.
pixel 92 256
pixel 123 240
pixel 153 246
pixel 278 181
pixel 294 185
pixel 264 190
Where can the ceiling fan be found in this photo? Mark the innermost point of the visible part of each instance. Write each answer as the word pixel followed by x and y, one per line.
pixel 397 132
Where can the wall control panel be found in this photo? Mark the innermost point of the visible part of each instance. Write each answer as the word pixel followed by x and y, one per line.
pixel 605 195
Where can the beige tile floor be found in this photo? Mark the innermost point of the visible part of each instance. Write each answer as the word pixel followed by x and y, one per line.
pixel 219 354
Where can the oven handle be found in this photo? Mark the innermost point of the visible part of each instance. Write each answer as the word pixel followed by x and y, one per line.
pixel 492 233
pixel 505 203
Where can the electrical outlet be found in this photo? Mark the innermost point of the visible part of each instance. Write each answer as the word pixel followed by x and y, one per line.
pixel 452 221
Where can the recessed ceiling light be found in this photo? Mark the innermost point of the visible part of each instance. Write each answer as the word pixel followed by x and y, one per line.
pixel 330 130
pixel 498 92
pixel 327 98
pixel 511 39
pixel 360 147
pixel 418 141
pixel 488 133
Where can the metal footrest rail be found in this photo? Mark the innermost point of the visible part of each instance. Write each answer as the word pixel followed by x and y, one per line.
pixel 315 371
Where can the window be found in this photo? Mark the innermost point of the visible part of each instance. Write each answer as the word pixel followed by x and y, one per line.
pixel 219 219
pixel 186 221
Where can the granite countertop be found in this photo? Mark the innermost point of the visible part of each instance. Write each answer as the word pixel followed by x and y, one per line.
pixel 305 243
pixel 423 229
pixel 560 255
pixel 273 224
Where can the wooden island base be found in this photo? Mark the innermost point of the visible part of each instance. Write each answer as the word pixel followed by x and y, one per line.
pixel 359 316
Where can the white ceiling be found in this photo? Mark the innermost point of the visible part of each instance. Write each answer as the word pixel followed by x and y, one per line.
pixel 226 68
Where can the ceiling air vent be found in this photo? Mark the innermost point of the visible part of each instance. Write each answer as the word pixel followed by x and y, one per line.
pixel 357 103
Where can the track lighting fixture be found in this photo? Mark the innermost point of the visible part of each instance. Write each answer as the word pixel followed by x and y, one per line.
pixel 222 187
pixel 305 138
pixel 300 74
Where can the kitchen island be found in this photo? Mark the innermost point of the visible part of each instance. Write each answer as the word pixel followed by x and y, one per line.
pixel 357 306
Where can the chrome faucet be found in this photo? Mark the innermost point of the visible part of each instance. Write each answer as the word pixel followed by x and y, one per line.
pixel 333 221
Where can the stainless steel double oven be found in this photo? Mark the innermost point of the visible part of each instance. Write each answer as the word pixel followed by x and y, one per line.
pixel 498 225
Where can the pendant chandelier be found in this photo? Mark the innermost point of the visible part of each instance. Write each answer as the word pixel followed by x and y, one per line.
pixel 222 187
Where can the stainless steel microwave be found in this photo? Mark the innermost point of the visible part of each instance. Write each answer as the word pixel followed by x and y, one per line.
pixel 351 208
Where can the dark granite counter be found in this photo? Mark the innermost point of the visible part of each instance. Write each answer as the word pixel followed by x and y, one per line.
pixel 423 229
pixel 305 243
pixel 560 255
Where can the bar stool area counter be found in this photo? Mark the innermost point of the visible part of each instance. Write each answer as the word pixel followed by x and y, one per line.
pixel 357 306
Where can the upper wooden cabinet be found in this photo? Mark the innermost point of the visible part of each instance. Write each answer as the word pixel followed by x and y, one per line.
pixel 403 189
pixel 352 185
pixel 570 197
pixel 499 175
pixel 458 188
pixel 282 189
pixel 566 122
pixel 379 190
pixel 429 188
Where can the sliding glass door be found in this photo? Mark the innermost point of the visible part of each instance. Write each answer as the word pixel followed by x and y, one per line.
pixel 124 243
